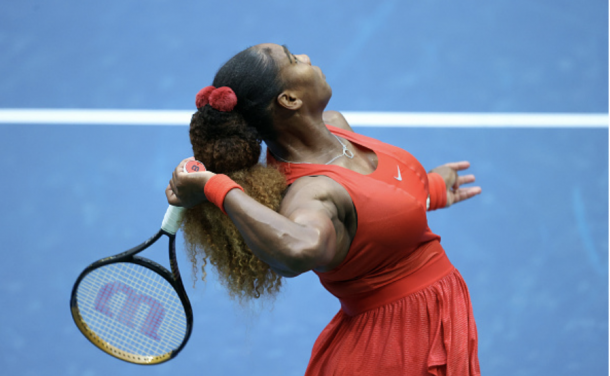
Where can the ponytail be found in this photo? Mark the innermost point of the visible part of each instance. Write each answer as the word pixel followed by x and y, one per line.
pixel 229 142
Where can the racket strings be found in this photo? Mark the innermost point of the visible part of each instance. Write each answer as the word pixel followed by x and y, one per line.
pixel 133 309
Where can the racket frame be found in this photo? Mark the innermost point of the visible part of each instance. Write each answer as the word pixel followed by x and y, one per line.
pixel 173 278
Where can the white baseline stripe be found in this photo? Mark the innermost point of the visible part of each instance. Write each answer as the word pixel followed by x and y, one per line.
pixel 480 119
pixel 371 119
pixel 84 116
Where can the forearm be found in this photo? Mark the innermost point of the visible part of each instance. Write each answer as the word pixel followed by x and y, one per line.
pixel 290 248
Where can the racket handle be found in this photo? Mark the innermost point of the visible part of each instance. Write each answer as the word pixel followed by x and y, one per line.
pixel 172 219
pixel 173 215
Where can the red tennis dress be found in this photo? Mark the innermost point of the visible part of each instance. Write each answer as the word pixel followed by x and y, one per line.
pixel 405 310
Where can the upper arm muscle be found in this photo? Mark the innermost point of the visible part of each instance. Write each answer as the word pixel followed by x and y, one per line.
pixel 320 203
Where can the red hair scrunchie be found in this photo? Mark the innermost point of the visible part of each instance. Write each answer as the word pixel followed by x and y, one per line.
pixel 221 99
pixel 202 98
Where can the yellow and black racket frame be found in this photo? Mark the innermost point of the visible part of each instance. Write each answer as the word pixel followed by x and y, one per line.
pixel 172 278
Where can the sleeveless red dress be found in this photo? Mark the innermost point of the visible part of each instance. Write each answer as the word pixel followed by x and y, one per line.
pixel 405 310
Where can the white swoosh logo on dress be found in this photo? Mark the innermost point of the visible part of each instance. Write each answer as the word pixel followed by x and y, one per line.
pixel 399 177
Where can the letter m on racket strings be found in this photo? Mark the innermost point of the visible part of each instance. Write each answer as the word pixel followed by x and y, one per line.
pixel 130 306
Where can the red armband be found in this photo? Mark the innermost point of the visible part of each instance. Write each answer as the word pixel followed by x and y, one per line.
pixel 217 188
pixel 437 190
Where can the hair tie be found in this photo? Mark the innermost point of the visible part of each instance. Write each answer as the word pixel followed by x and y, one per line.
pixel 202 98
pixel 221 99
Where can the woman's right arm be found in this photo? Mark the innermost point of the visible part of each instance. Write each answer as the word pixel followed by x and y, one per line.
pixel 299 238
pixel 308 232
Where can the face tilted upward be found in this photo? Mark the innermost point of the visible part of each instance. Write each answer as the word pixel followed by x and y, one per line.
pixel 301 77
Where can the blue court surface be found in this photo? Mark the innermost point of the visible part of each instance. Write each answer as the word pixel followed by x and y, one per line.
pixel 533 248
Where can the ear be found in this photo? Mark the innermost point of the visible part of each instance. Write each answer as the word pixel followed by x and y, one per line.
pixel 289 100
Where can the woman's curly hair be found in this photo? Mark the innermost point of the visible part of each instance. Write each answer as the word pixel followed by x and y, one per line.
pixel 230 143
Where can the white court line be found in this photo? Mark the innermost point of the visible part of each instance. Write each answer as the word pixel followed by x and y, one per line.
pixel 371 119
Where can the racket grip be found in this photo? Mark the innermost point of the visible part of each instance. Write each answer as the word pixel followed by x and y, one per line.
pixel 173 215
pixel 172 219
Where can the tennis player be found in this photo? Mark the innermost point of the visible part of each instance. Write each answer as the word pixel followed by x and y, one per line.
pixel 349 208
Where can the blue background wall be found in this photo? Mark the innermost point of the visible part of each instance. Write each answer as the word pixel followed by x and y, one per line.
pixel 533 247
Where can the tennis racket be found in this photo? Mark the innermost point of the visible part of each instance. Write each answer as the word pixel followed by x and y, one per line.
pixel 133 308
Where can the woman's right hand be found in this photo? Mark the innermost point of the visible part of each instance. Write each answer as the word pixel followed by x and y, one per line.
pixel 187 189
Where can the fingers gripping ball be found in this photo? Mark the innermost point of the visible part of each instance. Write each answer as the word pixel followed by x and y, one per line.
pixel 194 166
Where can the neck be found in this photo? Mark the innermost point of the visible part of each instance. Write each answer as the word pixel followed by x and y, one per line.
pixel 300 139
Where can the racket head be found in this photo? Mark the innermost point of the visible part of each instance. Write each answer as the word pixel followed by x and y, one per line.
pixel 132 308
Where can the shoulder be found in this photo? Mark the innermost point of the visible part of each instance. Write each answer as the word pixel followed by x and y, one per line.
pixel 317 187
pixel 336 119
pixel 317 191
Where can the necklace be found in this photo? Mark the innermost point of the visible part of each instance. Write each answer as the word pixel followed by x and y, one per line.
pixel 345 153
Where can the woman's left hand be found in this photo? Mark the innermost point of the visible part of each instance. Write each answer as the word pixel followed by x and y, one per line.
pixel 454 182
pixel 187 189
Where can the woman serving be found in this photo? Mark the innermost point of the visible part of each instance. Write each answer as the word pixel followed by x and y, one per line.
pixel 350 208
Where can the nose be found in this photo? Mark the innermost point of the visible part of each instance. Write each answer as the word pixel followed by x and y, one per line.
pixel 304 58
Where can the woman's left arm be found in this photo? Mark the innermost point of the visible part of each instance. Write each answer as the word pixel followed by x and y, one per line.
pixel 453 182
